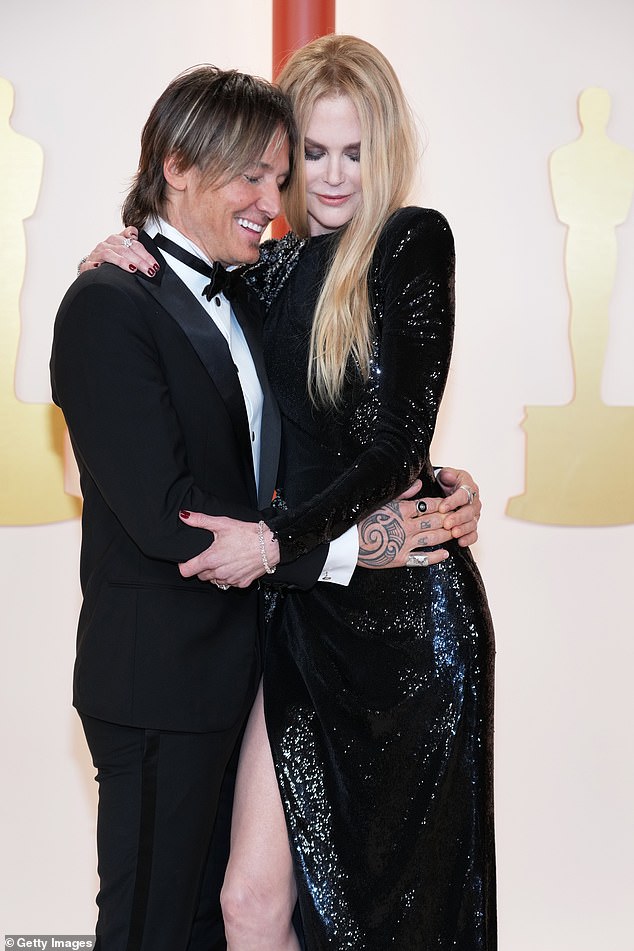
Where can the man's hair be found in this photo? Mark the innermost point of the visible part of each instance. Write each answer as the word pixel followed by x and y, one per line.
pixel 219 121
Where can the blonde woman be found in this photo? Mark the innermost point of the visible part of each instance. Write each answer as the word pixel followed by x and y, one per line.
pixel 378 696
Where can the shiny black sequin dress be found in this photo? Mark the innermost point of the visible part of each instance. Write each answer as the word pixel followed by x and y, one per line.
pixel 379 695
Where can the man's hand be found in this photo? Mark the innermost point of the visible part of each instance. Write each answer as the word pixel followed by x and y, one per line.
pixel 388 536
pixel 461 507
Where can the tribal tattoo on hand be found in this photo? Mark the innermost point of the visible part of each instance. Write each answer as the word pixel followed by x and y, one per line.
pixel 381 537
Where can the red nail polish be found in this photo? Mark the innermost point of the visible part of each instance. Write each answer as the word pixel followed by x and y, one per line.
pixel 184 513
pixel 132 267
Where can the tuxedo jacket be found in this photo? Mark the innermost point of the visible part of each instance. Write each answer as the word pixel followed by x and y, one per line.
pixel 157 420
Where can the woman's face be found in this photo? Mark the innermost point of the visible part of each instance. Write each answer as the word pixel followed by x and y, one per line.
pixel 333 173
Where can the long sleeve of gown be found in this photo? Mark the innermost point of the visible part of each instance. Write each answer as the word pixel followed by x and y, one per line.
pixel 271 271
pixel 412 294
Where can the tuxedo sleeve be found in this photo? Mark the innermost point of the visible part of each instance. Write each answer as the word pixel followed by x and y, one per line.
pixel 107 377
pixel 303 572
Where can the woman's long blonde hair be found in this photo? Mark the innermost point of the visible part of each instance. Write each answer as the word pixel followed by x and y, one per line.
pixel 338 65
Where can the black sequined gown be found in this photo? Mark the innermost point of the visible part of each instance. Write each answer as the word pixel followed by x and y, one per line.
pixel 379 695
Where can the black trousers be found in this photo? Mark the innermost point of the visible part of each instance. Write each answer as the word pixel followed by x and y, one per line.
pixel 163 830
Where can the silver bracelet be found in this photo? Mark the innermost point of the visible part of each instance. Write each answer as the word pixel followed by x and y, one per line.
pixel 265 561
pixel 83 261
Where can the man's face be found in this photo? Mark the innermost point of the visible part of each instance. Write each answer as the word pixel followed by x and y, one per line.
pixel 227 222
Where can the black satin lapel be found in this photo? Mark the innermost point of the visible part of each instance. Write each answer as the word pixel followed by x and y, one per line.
pixel 250 319
pixel 208 342
pixel 269 450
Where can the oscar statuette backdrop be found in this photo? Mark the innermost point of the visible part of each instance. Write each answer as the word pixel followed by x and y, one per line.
pixel 31 435
pixel 592 181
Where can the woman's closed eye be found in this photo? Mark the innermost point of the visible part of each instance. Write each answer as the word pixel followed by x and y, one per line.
pixel 314 155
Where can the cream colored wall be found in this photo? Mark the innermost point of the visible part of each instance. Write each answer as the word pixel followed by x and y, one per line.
pixel 496 85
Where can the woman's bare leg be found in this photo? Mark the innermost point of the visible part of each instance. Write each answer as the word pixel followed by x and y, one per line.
pixel 259 894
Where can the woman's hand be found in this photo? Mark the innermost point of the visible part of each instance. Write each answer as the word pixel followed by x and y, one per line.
pixel 124 250
pixel 462 506
pixel 235 556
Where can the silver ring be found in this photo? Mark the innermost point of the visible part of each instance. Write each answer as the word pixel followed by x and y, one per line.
pixel 471 494
pixel 421 506
pixel 223 587
pixel 127 242
pixel 417 561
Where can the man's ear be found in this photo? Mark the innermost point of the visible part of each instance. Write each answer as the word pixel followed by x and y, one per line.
pixel 173 174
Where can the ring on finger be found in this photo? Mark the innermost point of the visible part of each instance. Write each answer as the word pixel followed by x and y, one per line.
pixel 127 242
pixel 471 494
pixel 421 506
pixel 417 561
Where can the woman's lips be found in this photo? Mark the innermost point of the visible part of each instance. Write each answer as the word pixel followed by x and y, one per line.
pixel 333 199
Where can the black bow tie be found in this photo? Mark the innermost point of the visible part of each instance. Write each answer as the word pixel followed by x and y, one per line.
pixel 221 281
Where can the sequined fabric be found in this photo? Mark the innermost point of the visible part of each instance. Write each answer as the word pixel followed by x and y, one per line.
pixel 379 696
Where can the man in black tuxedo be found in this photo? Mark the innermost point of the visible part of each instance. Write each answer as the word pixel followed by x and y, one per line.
pixel 168 407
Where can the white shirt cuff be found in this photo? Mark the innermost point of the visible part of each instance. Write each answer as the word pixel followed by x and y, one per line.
pixel 342 558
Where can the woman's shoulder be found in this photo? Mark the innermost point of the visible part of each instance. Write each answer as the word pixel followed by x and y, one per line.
pixel 414 234
pixel 278 257
pixel 277 250
pixel 417 221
